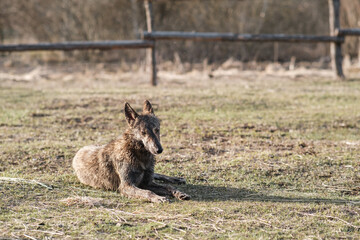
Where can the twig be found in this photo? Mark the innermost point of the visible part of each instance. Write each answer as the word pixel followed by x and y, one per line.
pixel 26 181
pixel 284 199
pixel 216 229
pixel 330 217
pixel 25 227
pixel 164 225
pixel 30 237
pixel 168 236
pixel 48 232
pixel 121 211
pixel 158 217
pixel 262 221
pixel 83 189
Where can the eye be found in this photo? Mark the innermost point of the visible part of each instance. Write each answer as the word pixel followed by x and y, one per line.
pixel 156 130
pixel 143 133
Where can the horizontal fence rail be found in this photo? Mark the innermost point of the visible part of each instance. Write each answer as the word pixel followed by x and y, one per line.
pixel 349 32
pixel 233 37
pixel 67 46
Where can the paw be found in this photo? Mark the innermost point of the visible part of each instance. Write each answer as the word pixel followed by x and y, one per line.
pixel 182 196
pixel 159 199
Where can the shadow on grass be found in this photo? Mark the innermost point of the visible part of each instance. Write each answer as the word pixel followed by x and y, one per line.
pixel 212 193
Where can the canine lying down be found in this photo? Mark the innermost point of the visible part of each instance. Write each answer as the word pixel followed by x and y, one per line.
pixel 127 164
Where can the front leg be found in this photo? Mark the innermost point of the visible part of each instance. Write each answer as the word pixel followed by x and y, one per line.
pixel 167 190
pixel 174 180
pixel 164 190
pixel 132 191
pixel 130 178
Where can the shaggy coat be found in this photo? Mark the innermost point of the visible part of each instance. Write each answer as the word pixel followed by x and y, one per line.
pixel 127 164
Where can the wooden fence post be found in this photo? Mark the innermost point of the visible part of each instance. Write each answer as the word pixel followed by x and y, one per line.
pixel 335 47
pixel 150 53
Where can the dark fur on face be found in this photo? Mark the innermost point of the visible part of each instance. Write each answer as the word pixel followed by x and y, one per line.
pixel 145 127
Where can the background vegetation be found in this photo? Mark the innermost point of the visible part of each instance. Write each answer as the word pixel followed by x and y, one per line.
pixel 67 20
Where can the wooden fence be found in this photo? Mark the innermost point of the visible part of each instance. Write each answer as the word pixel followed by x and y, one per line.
pixel 151 36
pixel 68 46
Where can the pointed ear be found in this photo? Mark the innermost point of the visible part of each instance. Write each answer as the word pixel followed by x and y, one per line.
pixel 148 109
pixel 130 114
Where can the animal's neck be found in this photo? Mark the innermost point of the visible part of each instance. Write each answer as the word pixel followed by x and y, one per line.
pixel 135 145
pixel 137 150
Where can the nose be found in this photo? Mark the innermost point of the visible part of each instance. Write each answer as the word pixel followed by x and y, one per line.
pixel 160 150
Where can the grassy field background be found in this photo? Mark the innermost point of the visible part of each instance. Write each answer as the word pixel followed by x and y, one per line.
pixel 265 157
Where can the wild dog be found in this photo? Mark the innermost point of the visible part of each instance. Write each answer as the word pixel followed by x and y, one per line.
pixel 127 164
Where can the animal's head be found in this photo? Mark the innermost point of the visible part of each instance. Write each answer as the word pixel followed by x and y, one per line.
pixel 145 127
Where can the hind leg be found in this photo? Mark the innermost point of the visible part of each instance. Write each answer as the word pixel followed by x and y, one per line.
pixel 85 164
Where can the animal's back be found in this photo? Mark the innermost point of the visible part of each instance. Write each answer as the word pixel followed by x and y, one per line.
pixel 94 169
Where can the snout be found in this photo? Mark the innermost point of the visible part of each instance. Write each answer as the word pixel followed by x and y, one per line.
pixel 156 149
pixel 160 150
pixel 154 146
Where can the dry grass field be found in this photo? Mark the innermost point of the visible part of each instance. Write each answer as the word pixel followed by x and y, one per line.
pixel 265 156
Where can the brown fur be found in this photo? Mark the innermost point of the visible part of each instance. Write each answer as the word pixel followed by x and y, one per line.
pixel 127 164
